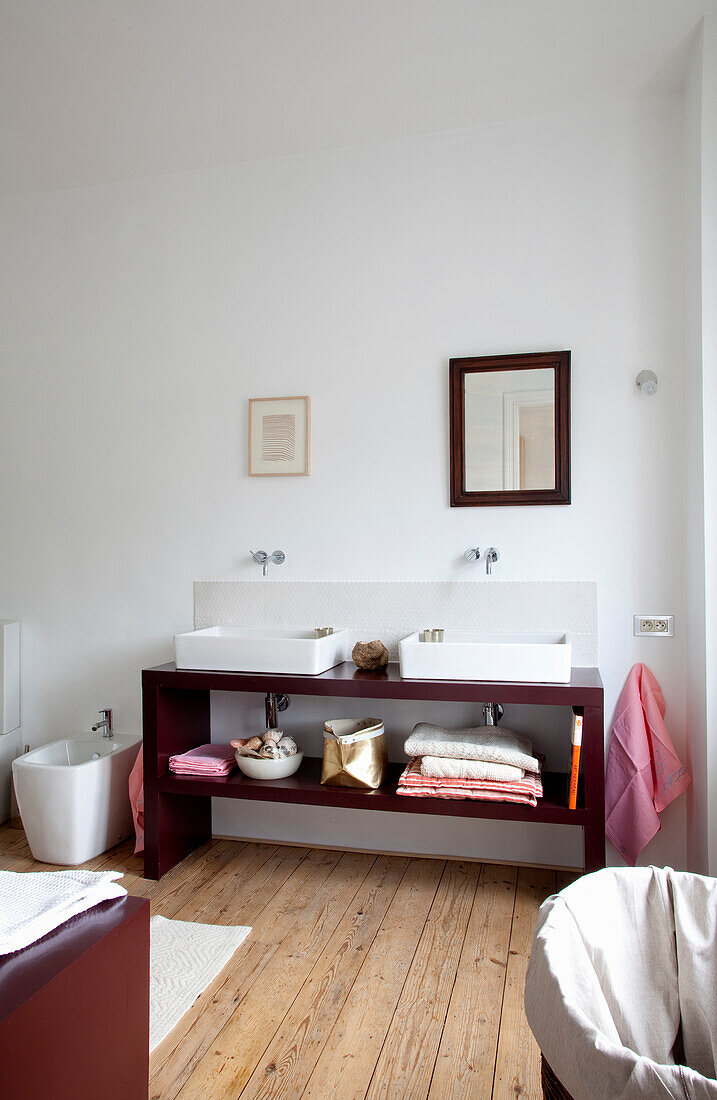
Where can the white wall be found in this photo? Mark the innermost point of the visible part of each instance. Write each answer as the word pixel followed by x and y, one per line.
pixel 138 318
pixel 708 164
pixel 701 452
pixel 695 665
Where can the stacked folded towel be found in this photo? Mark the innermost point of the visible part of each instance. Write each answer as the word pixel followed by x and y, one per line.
pixel 482 762
pixel 526 790
pixel 204 760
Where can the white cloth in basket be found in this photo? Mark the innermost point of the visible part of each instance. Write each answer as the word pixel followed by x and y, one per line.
pixel 620 991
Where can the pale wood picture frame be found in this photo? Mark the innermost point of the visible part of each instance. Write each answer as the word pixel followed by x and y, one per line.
pixel 279 436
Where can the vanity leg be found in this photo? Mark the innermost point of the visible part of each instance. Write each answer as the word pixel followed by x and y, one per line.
pixel 593 753
pixel 174 824
pixel 594 839
pixel 183 822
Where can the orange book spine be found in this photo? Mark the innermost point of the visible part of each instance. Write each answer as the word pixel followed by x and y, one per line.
pixel 577 740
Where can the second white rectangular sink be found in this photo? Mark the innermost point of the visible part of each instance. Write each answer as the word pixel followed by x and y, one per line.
pixel 471 655
pixel 294 650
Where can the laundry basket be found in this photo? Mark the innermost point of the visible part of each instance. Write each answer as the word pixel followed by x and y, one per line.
pixel 621 992
pixel 552 1089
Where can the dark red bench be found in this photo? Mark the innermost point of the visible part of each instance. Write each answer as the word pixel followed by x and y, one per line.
pixel 74 1009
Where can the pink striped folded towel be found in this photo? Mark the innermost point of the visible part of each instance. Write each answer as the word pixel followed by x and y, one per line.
pixel 204 760
pixel 526 791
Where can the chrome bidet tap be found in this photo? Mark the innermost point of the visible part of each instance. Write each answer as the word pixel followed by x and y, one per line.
pixel 105 724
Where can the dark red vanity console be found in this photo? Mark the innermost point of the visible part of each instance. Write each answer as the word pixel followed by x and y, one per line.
pixel 176 717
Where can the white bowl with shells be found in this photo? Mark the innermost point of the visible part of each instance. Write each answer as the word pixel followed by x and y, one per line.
pixel 269 755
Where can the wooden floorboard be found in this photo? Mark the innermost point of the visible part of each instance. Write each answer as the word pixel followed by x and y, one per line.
pixel 405 1064
pixel 363 977
pixel 273 934
pixel 292 1054
pixel 351 1051
pixel 466 1057
pixel 517 1070
pixel 227 1066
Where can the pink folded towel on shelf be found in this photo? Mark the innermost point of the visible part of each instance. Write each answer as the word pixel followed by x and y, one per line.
pixel 526 791
pixel 644 773
pixel 204 760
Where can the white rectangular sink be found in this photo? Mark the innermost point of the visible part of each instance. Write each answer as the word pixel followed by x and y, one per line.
pixel 470 655
pixel 255 649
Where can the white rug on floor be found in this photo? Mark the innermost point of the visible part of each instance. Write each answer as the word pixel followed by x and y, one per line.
pixel 184 958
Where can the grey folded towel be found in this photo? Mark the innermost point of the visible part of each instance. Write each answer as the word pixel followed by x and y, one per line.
pixel 496 746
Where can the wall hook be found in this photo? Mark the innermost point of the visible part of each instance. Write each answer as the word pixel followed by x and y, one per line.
pixel 646 381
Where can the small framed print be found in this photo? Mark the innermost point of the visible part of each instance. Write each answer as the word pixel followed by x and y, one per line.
pixel 279 436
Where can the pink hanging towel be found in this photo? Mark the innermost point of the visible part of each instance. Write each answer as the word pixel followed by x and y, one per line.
pixel 136 797
pixel 644 773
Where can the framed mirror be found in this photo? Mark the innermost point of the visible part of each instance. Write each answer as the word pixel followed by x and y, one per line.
pixel 510 429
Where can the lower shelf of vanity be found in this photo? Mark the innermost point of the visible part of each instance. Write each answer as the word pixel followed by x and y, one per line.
pixel 305 788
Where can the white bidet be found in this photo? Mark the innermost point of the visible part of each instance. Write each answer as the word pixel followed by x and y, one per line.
pixel 73 796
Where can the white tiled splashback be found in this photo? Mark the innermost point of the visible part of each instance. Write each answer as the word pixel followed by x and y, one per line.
pixel 390 610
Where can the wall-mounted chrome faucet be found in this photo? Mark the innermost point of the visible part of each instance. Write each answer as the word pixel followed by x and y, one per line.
pixel 105 723
pixel 491 557
pixel 272 705
pixel 262 558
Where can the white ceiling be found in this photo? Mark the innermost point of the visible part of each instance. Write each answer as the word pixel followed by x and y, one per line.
pixel 100 90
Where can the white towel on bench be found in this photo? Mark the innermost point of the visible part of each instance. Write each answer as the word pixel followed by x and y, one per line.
pixel 33 903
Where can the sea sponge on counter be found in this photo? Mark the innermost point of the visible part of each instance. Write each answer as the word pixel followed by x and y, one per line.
pixel 370 654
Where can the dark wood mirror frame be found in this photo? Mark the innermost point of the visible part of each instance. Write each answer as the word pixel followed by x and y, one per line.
pixel 559 361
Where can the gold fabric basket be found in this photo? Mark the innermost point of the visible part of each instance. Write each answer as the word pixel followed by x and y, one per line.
pixel 355 753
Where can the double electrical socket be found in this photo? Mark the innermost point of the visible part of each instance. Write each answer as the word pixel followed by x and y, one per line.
pixel 662 625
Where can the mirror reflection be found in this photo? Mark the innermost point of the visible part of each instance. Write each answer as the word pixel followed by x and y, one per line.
pixel 509 430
